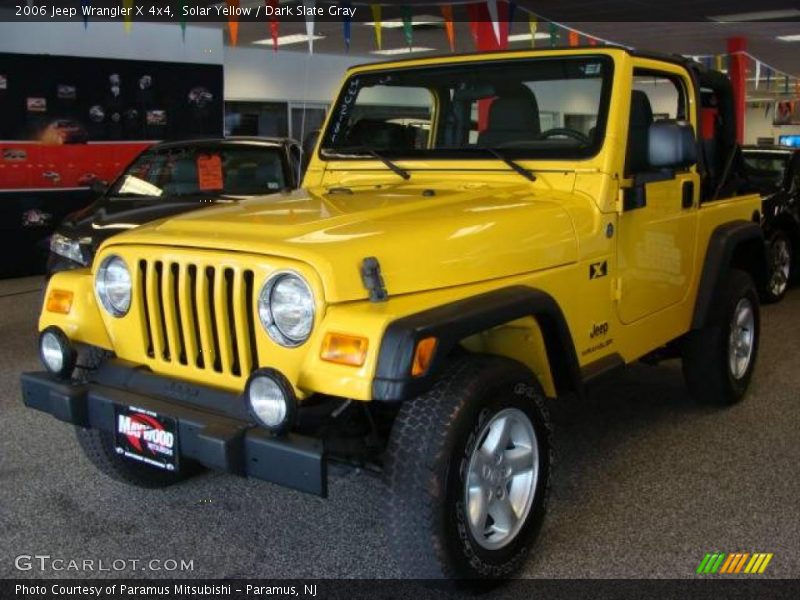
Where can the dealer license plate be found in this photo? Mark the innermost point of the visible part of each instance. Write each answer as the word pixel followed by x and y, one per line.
pixel 147 437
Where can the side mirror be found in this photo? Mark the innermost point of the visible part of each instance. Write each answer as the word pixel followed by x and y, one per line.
pixel 98 187
pixel 672 145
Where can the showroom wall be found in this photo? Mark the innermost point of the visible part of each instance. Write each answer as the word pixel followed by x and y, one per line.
pixel 145 41
pixel 756 125
pixel 256 74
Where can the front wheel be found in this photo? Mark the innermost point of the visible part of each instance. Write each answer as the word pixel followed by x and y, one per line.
pixel 468 472
pixel 719 359
pixel 98 447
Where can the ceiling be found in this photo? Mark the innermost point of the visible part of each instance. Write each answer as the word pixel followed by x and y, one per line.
pixel 618 21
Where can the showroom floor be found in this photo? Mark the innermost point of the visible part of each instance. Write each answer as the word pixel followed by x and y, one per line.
pixel 646 483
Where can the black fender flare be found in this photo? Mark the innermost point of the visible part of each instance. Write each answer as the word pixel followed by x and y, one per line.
pixel 723 252
pixel 452 322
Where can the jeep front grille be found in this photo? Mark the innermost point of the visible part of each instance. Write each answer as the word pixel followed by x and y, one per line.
pixel 198 315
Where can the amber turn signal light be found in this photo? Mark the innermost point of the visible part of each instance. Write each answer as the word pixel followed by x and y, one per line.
pixel 344 349
pixel 423 356
pixel 59 301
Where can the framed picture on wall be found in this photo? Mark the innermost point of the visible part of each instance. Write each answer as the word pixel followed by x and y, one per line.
pixel 787 112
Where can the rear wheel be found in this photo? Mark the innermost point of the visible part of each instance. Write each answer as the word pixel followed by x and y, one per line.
pixel 468 472
pixel 719 359
pixel 780 254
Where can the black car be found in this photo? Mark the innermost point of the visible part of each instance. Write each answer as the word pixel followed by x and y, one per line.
pixel 171 178
pixel 774 171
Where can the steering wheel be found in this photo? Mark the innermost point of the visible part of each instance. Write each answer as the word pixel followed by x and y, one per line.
pixel 563 131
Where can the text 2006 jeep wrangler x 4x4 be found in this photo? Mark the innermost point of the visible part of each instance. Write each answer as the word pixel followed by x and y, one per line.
pixel 476 234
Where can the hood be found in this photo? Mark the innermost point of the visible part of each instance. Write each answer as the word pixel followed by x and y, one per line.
pixel 110 216
pixel 423 239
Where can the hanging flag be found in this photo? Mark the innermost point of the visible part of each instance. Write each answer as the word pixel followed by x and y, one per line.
pixel 592 41
pixel 553 35
pixel 758 73
pixel 309 6
pixel 474 17
pixel 346 25
pixel 512 9
pixel 85 4
pixel 128 5
pixel 376 19
pixel 182 17
pixel 408 25
pixel 786 84
pixel 718 62
pixel 768 76
pixel 532 26
pixel 233 21
pixel 273 22
pixel 495 18
pixel 573 38
pixel 447 13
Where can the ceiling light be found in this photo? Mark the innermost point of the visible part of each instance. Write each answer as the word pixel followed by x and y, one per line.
pixel 295 38
pixel 789 38
pixel 403 50
pixel 420 21
pixel 764 15
pixel 526 37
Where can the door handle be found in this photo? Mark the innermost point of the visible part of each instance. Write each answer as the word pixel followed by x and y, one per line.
pixel 687 194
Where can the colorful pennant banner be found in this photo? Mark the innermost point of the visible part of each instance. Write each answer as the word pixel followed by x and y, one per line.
pixel 376 19
pixel 408 25
pixel 233 21
pixel 447 13
pixel 128 5
pixel 346 25
pixel 273 22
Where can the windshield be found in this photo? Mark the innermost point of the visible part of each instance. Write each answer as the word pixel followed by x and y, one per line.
pixel 767 167
pixel 229 170
pixel 528 108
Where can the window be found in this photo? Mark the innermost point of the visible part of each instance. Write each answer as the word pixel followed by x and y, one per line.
pixel 268 119
pixel 655 96
pixel 235 170
pixel 664 92
pixel 520 106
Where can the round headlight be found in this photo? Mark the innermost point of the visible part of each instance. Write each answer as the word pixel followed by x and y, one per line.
pixel 271 399
pixel 286 308
pixel 56 352
pixel 113 285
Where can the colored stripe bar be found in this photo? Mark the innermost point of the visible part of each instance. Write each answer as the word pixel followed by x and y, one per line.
pixel 765 563
pixel 741 562
pixel 703 563
pixel 730 561
pixel 718 563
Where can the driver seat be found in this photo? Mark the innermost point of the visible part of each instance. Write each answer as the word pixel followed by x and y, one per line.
pixel 513 117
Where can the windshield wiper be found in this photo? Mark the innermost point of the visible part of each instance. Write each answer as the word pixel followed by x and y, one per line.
pixel 372 152
pixel 526 173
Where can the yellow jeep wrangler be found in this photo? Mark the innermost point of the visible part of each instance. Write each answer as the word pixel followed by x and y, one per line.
pixel 475 234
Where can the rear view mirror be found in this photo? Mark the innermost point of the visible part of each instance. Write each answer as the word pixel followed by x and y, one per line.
pixel 672 145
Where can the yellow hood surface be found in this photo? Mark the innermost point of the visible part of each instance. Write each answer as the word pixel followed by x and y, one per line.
pixel 424 239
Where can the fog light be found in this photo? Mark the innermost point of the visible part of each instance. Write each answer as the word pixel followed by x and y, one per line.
pixel 56 352
pixel 271 400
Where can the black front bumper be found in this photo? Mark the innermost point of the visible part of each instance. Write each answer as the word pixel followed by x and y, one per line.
pixel 211 427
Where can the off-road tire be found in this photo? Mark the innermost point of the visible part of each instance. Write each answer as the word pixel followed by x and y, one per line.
pixel 779 243
pixel 706 351
pixel 98 446
pixel 427 457
pixel 88 361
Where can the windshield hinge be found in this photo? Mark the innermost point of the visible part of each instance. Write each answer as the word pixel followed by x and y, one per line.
pixel 617 289
pixel 373 280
